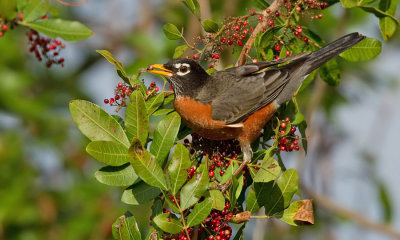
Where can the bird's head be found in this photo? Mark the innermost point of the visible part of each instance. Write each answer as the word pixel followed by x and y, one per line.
pixel 184 75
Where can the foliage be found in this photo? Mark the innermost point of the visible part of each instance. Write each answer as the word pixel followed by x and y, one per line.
pixel 186 182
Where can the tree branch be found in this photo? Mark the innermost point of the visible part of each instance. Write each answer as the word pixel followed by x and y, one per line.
pixel 326 203
pixel 267 15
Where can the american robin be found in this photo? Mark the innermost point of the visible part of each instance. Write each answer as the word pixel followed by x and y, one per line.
pixel 237 102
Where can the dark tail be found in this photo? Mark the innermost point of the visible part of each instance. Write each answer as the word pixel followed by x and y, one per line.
pixel 305 65
pixel 321 56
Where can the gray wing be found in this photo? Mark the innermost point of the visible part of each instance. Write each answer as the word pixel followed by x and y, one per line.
pixel 238 92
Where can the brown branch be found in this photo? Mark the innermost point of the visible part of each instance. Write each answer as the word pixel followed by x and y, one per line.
pixel 73 4
pixel 267 15
pixel 326 203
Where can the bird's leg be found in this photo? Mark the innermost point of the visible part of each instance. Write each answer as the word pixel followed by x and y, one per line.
pixel 247 156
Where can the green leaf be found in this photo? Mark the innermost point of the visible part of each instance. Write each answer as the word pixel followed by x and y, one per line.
pixel 354 3
pixel 379 13
pixel 307 81
pixel 200 212
pixel 67 30
pixel 154 103
pixel 179 50
pixel 164 136
pixel 95 123
pixel 139 193
pixel 157 207
pixel 193 6
pixel 108 152
pixel 178 167
pixel 218 199
pixel 229 172
pixel 330 73
pixel 136 118
pixel 387 25
pixel 302 129
pixel 126 228
pixel 365 50
pixel 168 223
pixel 107 55
pixel 261 4
pixel 282 192
pixel 116 175
pixel 34 10
pixel 297 213
pixel 171 31
pixel 251 201
pixel 146 166
pixel 162 111
pixel 266 38
pixel 8 9
pixel 210 26
pixel 240 186
pixel 269 170
pixel 193 190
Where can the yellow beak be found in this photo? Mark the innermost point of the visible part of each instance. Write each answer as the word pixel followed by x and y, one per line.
pixel 160 69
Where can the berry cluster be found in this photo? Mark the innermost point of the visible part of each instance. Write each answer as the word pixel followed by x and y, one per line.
pixel 217 224
pixel 152 89
pixel 122 93
pixel 288 142
pixel 46 48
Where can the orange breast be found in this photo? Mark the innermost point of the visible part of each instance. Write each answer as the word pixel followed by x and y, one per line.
pixel 198 117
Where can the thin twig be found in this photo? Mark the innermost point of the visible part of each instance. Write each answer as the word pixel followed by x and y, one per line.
pixel 326 203
pixel 267 15
pixel 72 4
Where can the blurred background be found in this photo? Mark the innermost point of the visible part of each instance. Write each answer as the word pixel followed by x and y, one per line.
pixel 47 187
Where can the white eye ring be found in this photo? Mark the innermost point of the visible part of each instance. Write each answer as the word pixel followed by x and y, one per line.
pixel 183 68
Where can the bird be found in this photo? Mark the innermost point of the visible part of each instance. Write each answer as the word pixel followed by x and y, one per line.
pixel 237 102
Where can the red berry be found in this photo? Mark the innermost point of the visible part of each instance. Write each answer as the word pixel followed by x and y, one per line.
pixel 252 11
pixel 20 16
pixel 293 129
pixel 52 47
pixel 296 33
pixel 211 173
pixel 223 40
pixel 287 53
pixel 283 125
pixel 170 87
pixel 277 48
pixel 120 85
pixel 237 28
pixel 282 132
pixel 270 22
pixel 212 167
pixel 297 148
pixel 287 119
pixel 319 16
pixel 216 56
pixel 195 56
pixel 277 14
pixel 168 211
pixel 148 92
pixel 305 39
pixel 5 27
pixel 298 9
pixel 211 237
pixel 111 100
pixel 116 97
pixel 299 29
pixel 255 60
pixel 277 57
pixel 211 66
pixel 1 34
pixel 295 142
pixel 245 23
pixel 230 42
pixel 106 101
pixel 156 89
pixel 221 173
pixel 260 18
pixel 240 43
pixel 152 84
pixel 283 148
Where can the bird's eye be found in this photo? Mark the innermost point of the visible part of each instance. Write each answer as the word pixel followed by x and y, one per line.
pixel 183 69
